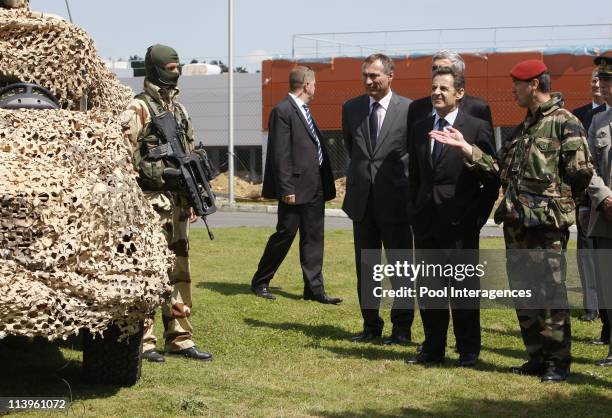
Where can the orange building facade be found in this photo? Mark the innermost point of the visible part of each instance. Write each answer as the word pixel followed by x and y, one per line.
pixel 487 76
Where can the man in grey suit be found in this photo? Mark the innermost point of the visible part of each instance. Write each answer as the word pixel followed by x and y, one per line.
pixel 375 129
pixel 600 193
pixel 586 263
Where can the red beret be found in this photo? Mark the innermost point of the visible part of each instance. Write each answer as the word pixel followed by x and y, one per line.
pixel 528 70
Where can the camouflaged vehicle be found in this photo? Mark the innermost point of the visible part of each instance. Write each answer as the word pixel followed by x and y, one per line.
pixel 80 251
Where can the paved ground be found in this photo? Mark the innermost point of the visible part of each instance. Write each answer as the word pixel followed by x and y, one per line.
pixel 229 218
pixel 223 219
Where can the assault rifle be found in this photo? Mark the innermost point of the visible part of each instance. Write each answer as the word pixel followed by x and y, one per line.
pixel 189 173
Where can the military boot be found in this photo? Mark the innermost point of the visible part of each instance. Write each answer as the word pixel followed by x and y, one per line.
pixel 531 368
pixel 555 373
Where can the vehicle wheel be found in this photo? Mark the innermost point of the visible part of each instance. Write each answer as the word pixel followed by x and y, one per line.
pixel 106 360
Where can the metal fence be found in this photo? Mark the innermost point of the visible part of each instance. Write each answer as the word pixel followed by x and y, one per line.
pixel 205 98
pixel 426 41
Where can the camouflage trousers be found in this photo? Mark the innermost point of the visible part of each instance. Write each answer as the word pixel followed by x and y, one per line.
pixel 174 218
pixel 545 319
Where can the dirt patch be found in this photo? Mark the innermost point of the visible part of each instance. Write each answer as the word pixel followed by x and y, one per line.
pixel 246 189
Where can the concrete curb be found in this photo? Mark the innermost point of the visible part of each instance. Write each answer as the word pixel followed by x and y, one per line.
pixel 224 206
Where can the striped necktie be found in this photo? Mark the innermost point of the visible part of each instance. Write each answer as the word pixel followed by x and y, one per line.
pixel 313 132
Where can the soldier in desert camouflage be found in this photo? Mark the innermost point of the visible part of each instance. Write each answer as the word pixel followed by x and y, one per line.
pixel 160 94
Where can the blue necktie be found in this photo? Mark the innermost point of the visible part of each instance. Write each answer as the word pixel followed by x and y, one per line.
pixel 438 146
pixel 313 133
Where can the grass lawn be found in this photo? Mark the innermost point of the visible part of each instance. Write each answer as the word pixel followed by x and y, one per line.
pixel 293 358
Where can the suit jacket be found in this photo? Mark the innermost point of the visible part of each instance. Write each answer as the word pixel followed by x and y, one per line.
pixel 447 199
pixel 422 108
pixel 382 171
pixel 600 139
pixel 292 165
pixel 585 114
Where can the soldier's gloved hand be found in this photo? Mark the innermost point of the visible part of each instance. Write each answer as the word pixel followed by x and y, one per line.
pixel 172 179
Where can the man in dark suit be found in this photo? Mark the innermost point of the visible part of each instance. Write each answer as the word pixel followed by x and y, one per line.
pixel 422 108
pixel 451 193
pixel 598 104
pixel 585 258
pixel 298 174
pixel 374 129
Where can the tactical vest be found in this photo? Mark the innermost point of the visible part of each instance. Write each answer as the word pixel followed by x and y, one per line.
pixel 532 176
pixel 150 170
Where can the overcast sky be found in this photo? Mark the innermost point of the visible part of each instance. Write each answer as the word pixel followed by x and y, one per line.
pixel 198 28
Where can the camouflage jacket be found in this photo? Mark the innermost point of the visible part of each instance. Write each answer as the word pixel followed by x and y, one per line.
pixel 138 132
pixel 545 166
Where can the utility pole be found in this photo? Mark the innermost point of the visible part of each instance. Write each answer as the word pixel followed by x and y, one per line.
pixel 69 14
pixel 230 126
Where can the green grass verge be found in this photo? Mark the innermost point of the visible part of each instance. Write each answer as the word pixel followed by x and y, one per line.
pixel 293 358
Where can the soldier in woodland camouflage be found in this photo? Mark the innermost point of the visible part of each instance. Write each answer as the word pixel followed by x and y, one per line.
pixel 160 93
pixel 545 167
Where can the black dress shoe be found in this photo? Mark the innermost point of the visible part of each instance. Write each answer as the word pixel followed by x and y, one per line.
pixel 263 292
pixel 607 362
pixel 153 356
pixel 467 360
pixel 424 358
pixel 531 368
pixel 366 337
pixel 599 341
pixel 589 316
pixel 397 339
pixel 554 374
pixel 192 353
pixel 323 298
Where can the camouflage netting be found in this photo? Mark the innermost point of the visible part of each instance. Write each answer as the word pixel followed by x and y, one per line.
pixel 59 56
pixel 79 245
